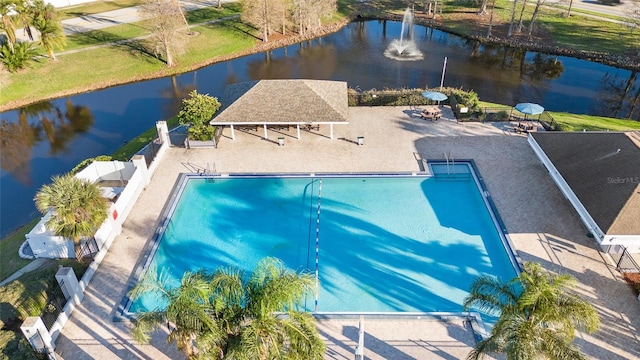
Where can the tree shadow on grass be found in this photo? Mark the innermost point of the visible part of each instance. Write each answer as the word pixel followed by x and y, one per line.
pixel 139 48
pixel 238 25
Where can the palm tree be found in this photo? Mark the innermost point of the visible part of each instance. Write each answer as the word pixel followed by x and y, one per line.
pixel 187 313
pixel 6 7
pixel 78 209
pixel 26 11
pixel 226 315
pixel 259 332
pixel 538 315
pixel 44 20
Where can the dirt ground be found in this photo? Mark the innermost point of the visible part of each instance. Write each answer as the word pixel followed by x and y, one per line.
pixel 633 279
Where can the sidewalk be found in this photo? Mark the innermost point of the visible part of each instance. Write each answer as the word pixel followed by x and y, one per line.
pixel 29 267
pixel 118 17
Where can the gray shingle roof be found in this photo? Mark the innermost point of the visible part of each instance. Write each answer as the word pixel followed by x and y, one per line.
pixel 603 170
pixel 284 102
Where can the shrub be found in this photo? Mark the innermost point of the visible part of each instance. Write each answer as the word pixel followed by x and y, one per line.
pixel 86 162
pixel 196 112
pixel 22 56
pixel 468 98
pixel 502 115
pixel 202 133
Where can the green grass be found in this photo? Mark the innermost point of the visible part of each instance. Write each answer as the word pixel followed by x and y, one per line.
pixel 577 32
pixel 574 122
pixel 9 246
pixel 26 297
pixel 106 35
pixel 94 8
pixel 130 148
pixel 575 11
pixel 213 13
pixel 95 69
pixel 578 122
pixel 106 66
pixel 128 31
pixel 589 34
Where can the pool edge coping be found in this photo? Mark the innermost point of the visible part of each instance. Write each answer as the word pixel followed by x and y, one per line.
pixel 122 312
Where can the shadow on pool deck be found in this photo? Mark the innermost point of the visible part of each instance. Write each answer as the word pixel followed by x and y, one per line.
pixel 541 223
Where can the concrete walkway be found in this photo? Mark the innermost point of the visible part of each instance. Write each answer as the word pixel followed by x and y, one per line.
pixel 36 263
pixel 124 16
pixel 541 224
pixel 111 18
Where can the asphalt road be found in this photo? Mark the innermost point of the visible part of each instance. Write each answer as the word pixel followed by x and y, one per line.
pixel 597 7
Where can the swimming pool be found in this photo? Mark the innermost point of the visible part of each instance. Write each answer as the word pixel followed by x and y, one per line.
pixel 386 243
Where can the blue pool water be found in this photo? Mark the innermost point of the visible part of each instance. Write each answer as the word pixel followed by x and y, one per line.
pixel 386 244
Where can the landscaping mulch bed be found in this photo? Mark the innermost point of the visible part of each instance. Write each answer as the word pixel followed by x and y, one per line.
pixel 633 279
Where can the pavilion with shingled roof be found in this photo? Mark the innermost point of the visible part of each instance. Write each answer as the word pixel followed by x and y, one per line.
pixel 283 103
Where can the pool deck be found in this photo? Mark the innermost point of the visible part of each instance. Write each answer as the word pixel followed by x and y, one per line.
pixel 542 226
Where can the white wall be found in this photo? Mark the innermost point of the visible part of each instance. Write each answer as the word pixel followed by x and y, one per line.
pixel 45 243
pixel 107 170
pixel 129 195
pixel 631 242
pixel 51 246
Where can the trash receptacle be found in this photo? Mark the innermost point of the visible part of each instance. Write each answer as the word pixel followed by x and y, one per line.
pixel 360 140
pixel 281 141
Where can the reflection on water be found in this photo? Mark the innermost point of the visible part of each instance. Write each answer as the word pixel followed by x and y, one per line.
pixel 39 122
pixel 620 96
pixel 49 138
pixel 535 69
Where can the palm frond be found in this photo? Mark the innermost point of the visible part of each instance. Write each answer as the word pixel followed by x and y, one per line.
pixel 227 285
pixel 145 323
pixel 303 340
pixel 153 282
pixel 490 295
pixel 559 347
pixel 538 315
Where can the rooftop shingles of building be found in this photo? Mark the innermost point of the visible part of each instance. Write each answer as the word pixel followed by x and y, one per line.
pixel 603 170
pixel 284 102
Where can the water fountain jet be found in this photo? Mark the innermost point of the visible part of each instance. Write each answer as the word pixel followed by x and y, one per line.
pixel 404 49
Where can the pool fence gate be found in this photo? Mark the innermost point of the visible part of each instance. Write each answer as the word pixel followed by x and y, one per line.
pixel 626 263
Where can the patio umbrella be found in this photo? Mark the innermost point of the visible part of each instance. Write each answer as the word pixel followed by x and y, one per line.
pixel 434 95
pixel 529 108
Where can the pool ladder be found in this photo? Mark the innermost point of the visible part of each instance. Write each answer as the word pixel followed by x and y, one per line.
pixel 451 168
pixel 206 172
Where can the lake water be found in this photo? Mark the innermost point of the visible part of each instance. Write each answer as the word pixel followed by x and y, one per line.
pixel 50 138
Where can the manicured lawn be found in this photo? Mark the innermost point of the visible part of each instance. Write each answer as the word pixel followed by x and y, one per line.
pixel 9 260
pixel 130 148
pixel 128 62
pixel 106 35
pixel 589 34
pixel 94 8
pixel 577 32
pixel 573 122
pixel 75 73
pixel 213 13
pixel 576 122
pixel 27 297
pixel 128 31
